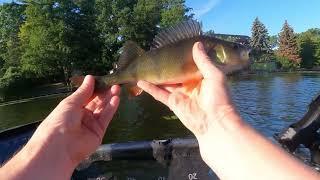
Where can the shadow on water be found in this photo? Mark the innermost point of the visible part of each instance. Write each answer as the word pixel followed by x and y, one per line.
pixel 268 102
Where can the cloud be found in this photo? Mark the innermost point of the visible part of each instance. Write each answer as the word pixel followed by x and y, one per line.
pixel 206 8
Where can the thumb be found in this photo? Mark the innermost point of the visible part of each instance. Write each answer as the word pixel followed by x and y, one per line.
pixel 204 62
pixel 84 92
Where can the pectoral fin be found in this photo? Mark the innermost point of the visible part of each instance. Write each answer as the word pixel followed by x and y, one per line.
pixel 191 87
pixel 133 90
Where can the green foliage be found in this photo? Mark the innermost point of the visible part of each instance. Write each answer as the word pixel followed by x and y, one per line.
pixel 59 37
pixel 137 20
pixel 11 79
pixel 81 38
pixel 53 38
pixel 174 11
pixel 273 41
pixel 288 45
pixel 307 51
pixel 11 18
pixel 264 58
pixel 259 38
pixel 42 40
pixel 264 66
pixel 1 67
pixel 286 63
pixel 309 43
pixel 317 53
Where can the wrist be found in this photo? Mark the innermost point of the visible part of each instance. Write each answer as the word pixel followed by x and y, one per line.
pixel 41 157
pixel 224 119
pixel 225 130
pixel 51 141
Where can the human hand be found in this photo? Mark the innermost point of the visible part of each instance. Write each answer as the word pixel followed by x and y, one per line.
pixel 72 132
pixel 77 125
pixel 207 106
pixel 232 148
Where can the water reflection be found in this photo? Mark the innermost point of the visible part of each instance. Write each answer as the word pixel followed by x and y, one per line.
pixel 26 112
pixel 143 118
pixel 268 102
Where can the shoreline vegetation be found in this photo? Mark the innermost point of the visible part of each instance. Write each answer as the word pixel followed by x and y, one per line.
pixel 48 41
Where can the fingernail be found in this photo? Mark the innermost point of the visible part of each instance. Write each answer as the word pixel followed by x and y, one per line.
pixel 200 46
pixel 86 77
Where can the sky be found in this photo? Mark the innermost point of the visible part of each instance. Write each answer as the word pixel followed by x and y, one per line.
pixel 236 16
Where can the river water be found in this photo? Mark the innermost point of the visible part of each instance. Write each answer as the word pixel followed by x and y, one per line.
pixel 268 102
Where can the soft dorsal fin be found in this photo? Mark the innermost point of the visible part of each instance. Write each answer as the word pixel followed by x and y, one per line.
pixel 130 51
pixel 184 30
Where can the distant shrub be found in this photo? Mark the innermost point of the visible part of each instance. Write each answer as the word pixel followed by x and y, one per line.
pixel 264 66
pixel 286 64
pixel 11 79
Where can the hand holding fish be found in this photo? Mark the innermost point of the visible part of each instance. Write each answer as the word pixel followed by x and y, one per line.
pixel 206 105
pixel 69 134
pixel 84 115
pixel 232 148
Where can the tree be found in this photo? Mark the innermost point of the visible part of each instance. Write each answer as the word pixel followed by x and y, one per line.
pixel 59 37
pixel 307 50
pixel 317 52
pixel 44 50
pixel 210 33
pixel 309 43
pixel 136 20
pixel 112 17
pixel 259 39
pixel 273 41
pixel 11 18
pixel 81 36
pixel 288 45
pixel 146 17
pixel 174 11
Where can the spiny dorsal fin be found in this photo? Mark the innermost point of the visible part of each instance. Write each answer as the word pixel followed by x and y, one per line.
pixel 130 51
pixel 184 30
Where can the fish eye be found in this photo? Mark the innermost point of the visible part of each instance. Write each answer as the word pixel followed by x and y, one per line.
pixel 212 53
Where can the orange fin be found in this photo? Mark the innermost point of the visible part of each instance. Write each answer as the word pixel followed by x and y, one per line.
pixel 191 87
pixel 134 90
